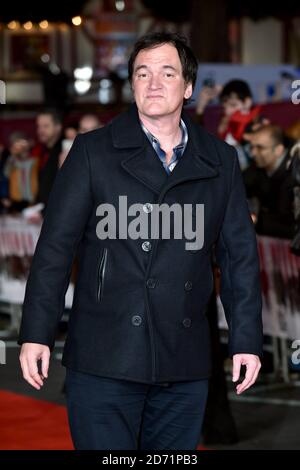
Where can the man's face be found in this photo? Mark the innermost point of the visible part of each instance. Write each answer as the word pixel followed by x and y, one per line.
pixel 20 149
pixel 47 130
pixel 88 123
pixel 264 151
pixel 158 84
pixel 233 103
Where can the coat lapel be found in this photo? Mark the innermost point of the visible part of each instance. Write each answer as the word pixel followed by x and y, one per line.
pixel 142 162
pixel 200 159
pixel 146 167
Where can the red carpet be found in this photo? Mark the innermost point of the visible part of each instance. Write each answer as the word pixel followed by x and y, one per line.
pixel 30 424
pixel 27 423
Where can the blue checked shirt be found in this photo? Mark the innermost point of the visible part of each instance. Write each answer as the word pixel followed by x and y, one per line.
pixel 177 151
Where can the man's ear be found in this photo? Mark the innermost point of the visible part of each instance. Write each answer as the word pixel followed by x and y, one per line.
pixel 279 149
pixel 188 91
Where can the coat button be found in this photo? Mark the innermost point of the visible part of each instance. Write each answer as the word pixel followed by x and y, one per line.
pixel 188 285
pixel 148 207
pixel 186 322
pixel 136 320
pixel 146 246
pixel 151 283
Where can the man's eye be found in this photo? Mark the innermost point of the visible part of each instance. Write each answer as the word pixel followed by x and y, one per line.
pixel 142 75
pixel 169 75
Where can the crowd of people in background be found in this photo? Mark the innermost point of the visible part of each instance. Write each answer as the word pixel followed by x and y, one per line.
pixel 28 169
pixel 265 154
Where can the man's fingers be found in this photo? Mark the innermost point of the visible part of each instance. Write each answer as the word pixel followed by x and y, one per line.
pixel 45 364
pixel 250 378
pixel 26 374
pixel 33 371
pixel 236 369
pixel 32 382
pixel 243 386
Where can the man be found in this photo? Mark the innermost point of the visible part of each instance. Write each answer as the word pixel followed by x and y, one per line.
pixel 137 352
pixel 49 133
pixel 269 183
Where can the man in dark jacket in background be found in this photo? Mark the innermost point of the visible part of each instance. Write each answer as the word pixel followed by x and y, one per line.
pixel 49 132
pixel 269 183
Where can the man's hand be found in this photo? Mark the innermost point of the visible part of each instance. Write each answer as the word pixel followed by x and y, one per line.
pixel 252 364
pixel 206 95
pixel 30 354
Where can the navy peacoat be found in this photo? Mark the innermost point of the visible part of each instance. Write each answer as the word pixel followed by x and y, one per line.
pixel 140 306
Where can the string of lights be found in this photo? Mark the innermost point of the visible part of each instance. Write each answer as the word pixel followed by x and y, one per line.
pixel 15 25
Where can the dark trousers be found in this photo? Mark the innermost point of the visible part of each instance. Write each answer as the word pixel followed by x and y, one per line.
pixel 218 424
pixel 113 414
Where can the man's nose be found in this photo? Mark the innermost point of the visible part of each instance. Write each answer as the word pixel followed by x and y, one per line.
pixel 154 82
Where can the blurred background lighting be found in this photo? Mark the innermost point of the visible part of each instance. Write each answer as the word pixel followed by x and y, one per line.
pixel 83 73
pixel 76 20
pixel 44 24
pixel 120 5
pixel 82 86
pixel 28 25
pixel 45 58
pixel 13 25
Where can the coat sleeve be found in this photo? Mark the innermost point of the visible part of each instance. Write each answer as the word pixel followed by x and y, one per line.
pixel 66 215
pixel 237 257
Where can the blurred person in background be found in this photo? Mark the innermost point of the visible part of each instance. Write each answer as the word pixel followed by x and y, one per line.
pixel 295 170
pixel 49 133
pixel 88 122
pixel 269 183
pixel 239 113
pixel 21 170
pixel 4 200
pixel 69 134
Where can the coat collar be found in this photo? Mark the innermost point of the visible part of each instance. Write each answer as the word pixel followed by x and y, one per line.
pixel 200 159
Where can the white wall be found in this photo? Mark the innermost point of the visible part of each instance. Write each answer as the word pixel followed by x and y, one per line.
pixel 262 41
pixel 24 92
pixel 85 49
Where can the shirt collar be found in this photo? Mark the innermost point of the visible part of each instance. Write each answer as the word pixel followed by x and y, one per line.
pixel 184 137
pixel 277 165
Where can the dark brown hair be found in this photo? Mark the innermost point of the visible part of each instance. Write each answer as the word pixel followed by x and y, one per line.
pixel 188 60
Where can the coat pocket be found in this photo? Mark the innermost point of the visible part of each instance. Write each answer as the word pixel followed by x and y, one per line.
pixel 101 274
